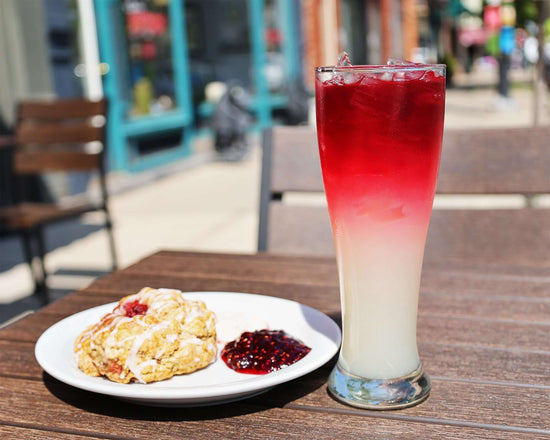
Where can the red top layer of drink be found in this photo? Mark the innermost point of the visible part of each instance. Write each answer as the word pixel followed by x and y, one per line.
pixel 380 141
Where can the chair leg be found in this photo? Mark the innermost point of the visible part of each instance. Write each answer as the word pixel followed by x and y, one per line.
pixel 109 227
pixel 44 291
pixel 26 237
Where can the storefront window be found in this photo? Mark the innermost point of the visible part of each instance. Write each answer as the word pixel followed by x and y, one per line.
pixel 195 23
pixel 150 56
pixel 233 27
pixel 275 67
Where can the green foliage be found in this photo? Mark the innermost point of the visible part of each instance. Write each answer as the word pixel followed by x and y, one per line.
pixel 450 61
pixel 526 10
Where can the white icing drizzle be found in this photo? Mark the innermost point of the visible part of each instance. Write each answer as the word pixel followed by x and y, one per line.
pixel 162 303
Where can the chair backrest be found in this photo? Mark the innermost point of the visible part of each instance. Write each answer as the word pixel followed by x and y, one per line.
pixel 496 161
pixel 290 163
pixel 56 136
pixel 294 158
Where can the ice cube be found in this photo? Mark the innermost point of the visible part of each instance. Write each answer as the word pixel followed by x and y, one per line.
pixel 416 74
pixel 352 78
pixel 397 62
pixel 343 60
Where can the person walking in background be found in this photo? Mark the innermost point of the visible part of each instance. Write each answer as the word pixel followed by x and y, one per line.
pixel 500 18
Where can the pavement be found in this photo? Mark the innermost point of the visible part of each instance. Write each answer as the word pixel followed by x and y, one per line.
pixel 203 204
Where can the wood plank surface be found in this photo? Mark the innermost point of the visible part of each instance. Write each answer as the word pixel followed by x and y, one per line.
pixel 319 266
pixel 28 431
pixel 500 284
pixel 18 361
pixel 28 133
pixel 455 331
pixel 505 236
pixel 441 361
pixel 88 413
pixel 487 281
pixel 451 402
pixel 29 215
pixel 459 304
pixel 280 268
pixel 495 160
pixel 295 164
pixel 473 161
pixel 33 162
pixel 483 339
pixel 60 109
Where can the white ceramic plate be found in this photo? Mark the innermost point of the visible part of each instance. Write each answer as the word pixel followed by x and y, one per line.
pixel 235 312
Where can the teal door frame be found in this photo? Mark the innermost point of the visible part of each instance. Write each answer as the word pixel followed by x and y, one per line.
pixel 123 129
pixel 263 101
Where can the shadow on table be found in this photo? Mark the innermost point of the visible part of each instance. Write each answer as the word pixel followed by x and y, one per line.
pixel 31 303
pixel 56 236
pixel 19 308
pixel 279 396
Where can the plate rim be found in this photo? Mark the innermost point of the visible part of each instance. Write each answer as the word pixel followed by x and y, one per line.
pixel 250 385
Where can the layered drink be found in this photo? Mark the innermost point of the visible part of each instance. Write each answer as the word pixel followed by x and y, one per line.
pixel 379 131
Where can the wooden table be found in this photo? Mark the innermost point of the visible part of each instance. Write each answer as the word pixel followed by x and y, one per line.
pixel 484 337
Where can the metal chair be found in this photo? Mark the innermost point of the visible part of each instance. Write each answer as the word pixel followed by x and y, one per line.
pixel 56 136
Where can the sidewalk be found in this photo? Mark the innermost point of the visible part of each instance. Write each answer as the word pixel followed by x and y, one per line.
pixel 211 206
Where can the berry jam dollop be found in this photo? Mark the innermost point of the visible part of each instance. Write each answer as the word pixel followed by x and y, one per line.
pixel 133 308
pixel 263 351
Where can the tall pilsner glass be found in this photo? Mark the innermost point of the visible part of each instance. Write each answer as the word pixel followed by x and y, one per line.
pixel 379 131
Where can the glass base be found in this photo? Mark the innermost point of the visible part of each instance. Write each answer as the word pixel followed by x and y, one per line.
pixel 381 394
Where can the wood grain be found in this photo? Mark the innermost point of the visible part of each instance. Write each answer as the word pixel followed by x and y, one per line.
pixel 29 215
pixel 27 431
pixel 28 133
pixel 62 135
pixel 503 236
pixel 295 160
pixel 449 401
pixel 60 109
pixel 36 162
pixel 483 339
pixel 88 414
pixel 441 361
pixel 503 160
pixel 473 161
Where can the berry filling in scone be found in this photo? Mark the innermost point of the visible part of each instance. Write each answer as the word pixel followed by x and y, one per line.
pixel 149 336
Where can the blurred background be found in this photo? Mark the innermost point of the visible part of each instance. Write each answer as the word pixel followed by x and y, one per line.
pixel 192 83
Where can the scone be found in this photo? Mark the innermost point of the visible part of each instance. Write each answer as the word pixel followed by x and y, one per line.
pixel 149 336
